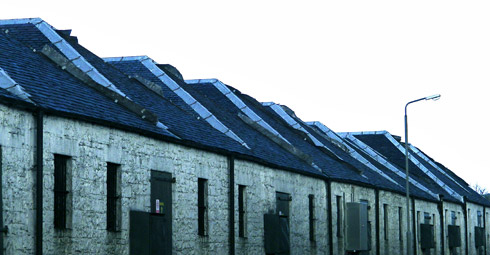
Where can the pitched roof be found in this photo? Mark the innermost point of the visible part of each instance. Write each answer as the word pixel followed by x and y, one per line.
pixel 420 170
pixel 136 92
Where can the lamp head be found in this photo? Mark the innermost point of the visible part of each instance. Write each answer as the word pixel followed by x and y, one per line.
pixel 433 97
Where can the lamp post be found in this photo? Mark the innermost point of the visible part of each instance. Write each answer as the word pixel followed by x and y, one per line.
pixel 409 235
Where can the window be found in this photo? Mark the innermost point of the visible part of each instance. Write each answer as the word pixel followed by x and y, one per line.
pixel 241 211
pixel 400 217
pixel 453 218
pixel 386 219
pixel 427 218
pixel 113 197
pixel 479 218
pixel 339 216
pixel 202 202
pixel 311 207
pixel 62 196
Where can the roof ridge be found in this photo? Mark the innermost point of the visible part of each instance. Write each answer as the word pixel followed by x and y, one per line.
pixel 67 50
pixel 239 104
pixel 424 169
pixel 202 111
pixel 382 160
pixel 422 155
pixel 355 155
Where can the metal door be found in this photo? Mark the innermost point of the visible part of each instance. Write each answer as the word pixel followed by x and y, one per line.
pixel 161 213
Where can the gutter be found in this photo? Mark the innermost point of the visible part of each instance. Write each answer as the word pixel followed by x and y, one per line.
pixel 231 201
pixel 39 181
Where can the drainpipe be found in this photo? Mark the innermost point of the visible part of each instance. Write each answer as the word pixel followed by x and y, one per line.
pixel 377 221
pixel 485 229
pixel 414 223
pixel 4 229
pixel 39 182
pixel 465 215
pixel 231 199
pixel 440 206
pixel 329 212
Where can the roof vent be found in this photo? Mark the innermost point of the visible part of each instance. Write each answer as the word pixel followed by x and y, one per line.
pixel 167 68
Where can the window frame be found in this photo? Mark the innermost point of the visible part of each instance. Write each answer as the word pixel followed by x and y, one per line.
pixel 61 190
pixel 311 218
pixel 113 188
pixel 202 205
pixel 242 210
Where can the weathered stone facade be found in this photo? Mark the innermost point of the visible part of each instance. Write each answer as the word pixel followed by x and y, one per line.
pixel 262 183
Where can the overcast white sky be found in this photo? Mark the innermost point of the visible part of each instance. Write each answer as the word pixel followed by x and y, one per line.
pixel 352 65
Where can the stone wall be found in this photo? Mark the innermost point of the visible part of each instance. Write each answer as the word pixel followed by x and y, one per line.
pixel 17 141
pixel 422 207
pixel 91 147
pixel 459 213
pixel 394 239
pixel 262 183
pixel 350 193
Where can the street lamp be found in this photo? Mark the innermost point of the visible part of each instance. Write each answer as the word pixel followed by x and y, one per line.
pixel 409 236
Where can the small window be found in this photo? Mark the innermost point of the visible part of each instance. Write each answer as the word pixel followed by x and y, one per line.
pixel 62 195
pixel 453 218
pixel 202 203
pixel 479 218
pixel 427 218
pixel 242 205
pixel 400 217
pixel 311 208
pixel 113 197
pixel 386 219
pixel 339 216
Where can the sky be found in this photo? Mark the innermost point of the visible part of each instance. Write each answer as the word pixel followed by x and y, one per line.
pixel 353 65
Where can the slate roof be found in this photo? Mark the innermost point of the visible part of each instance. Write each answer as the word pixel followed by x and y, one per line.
pixel 180 122
pixel 380 143
pixel 53 88
pixel 455 182
pixel 414 190
pixel 171 111
pixel 261 146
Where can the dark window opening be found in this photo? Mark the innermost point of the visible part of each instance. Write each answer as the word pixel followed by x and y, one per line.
pixel 386 219
pixel 113 197
pixel 339 216
pixel 241 211
pixel 61 191
pixel 202 216
pixel 311 207
pixel 479 219
pixel 400 217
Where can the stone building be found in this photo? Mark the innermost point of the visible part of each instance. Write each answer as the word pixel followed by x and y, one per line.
pixel 124 156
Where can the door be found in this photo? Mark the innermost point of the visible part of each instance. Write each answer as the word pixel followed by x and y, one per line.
pixel 161 213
